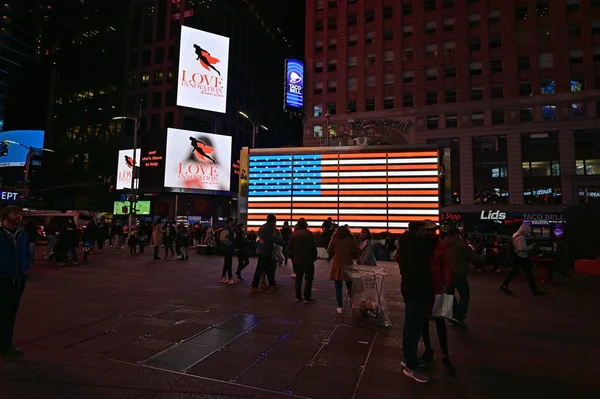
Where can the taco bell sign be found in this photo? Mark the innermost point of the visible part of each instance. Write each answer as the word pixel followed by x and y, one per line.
pixel 294 84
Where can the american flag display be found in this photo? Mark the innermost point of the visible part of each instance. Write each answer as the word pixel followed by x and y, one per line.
pixel 383 191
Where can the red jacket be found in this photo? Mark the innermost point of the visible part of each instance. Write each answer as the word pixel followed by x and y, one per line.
pixel 439 268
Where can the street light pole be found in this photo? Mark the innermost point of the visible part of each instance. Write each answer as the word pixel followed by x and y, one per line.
pixel 133 197
pixel 255 127
pixel 254 133
pixel 327 116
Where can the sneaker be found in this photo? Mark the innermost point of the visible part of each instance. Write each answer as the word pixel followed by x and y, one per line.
pixel 539 292
pixel 449 366
pixel 224 280
pixel 457 323
pixel 421 364
pixel 310 301
pixel 274 287
pixel 505 289
pixel 340 310
pixel 417 375
pixel 12 351
pixel 298 300
pixel 427 356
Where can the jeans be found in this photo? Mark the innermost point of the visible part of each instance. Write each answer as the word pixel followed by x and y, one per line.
pixel 266 264
pixel 50 248
pixel 243 261
pixel 184 252
pixel 303 271
pixel 415 317
pixel 11 290
pixel 338 291
pixel 460 282
pixel 442 333
pixel 227 264
pixel 526 266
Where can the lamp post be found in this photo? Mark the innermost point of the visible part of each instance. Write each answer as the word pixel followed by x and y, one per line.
pixel 133 195
pixel 327 116
pixel 255 127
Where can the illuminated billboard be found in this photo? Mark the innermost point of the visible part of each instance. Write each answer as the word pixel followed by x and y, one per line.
pixel 122 208
pixel 13 154
pixel 125 168
pixel 294 84
pixel 203 67
pixel 197 161
pixel 381 190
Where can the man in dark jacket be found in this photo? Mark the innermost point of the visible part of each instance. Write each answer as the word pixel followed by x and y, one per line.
pixel 266 263
pixel 303 252
pixel 15 260
pixel 102 233
pixel 227 246
pixel 414 254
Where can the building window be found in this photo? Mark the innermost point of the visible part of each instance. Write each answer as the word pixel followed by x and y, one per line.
pixel 370 37
pixel 370 16
pixel 495 41
pixel 477 118
pixel 407 31
pixel 388 34
pixel 370 60
pixel 432 122
pixel 526 115
pixel 388 79
pixel 449 24
pixel 450 96
pixel 497 91
pixel 544 34
pixel 596 55
pixel 521 12
pixel 576 57
pixel 318 110
pixel 318 88
pixel 451 121
pixel 318 66
pixel 408 77
pixel 575 30
pixel 449 48
pixel 476 68
pixel 546 60
pixel 474 20
pixel 352 40
pixel 388 56
pixel 145 78
pixel 370 104
pixel 429 5
pixel 156 99
pixel 523 63
pixel 332 4
pixel 430 27
pixel 388 12
pixel 317 131
pixel 319 5
pixel 332 65
pixel 541 168
pixel 448 3
pixel 331 108
pixel 475 45
pixel 331 23
pixel 432 97
pixel 408 100
pixel 352 19
pixel 494 17
pixel 588 167
pixel 319 25
pixel 573 6
pixel 158 77
pixel 431 51
pixel 476 94
pixel 319 46
pixel 331 86
pixel 525 89
pixel 407 54
pixel 496 66
pixel 351 106
pixel 370 81
pixel 542 9
pixel 388 102
pixel 449 72
pixel 406 8
pixel 431 74
pixel 497 116
pixel 595 28
pixel 352 61
pixel 548 112
pixel 159 55
pixel 332 44
pixel 352 84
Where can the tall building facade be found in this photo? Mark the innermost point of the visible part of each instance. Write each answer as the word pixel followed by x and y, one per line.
pixel 511 87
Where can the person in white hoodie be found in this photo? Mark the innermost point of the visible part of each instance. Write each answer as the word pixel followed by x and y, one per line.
pixel 521 260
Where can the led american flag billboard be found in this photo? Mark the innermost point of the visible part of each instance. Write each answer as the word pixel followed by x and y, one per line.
pixel 383 191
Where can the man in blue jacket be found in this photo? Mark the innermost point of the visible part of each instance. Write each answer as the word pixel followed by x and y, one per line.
pixel 14 266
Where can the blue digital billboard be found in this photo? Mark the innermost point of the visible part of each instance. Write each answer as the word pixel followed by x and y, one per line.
pixel 15 144
pixel 294 83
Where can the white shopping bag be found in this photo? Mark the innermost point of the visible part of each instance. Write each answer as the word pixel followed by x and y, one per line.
pixel 442 307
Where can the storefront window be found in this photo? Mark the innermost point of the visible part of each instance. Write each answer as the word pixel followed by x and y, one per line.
pixel 543 196
pixel 491 196
pixel 589 194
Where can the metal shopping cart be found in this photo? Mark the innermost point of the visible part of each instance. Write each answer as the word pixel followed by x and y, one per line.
pixel 367 298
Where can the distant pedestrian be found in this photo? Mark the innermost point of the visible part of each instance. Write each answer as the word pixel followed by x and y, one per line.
pixel 520 259
pixel 15 260
pixel 169 235
pixel 286 233
pixel 266 263
pixel 157 238
pixel 132 242
pixel 183 240
pixel 303 252
pixel 343 249
pixel 102 233
pixel 227 247
pixel 241 249
pixel 367 254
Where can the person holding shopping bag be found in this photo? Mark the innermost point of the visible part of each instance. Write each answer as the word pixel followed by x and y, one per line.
pixel 344 249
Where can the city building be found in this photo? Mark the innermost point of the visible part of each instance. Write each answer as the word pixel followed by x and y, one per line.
pixel 512 87
pixel 257 51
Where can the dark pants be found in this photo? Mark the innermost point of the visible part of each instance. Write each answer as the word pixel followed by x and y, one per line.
pixel 415 318
pixel 266 264
pixel 73 250
pixel 243 261
pixel 303 271
pixel 525 265
pixel 440 325
pixel 227 264
pixel 101 244
pixel 169 246
pixel 156 248
pixel 338 291
pixel 11 290
pixel 142 243
pixel 133 250
pixel 461 284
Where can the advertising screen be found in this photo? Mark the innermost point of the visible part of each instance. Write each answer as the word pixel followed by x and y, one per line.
pixel 12 154
pixel 197 161
pixel 143 208
pixel 203 66
pixel 125 168
pixel 383 191
pixel 294 83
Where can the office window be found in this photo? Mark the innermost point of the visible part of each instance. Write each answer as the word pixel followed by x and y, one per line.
pixel 319 46
pixel 448 24
pixel 318 25
pixel 388 12
pixel 544 34
pixel 429 5
pixel 449 48
pixel 352 19
pixel 495 41
pixel 496 66
pixel 448 3
pixel 388 56
pixel 318 88
pixel 331 43
pixel 497 116
pixel 145 78
pixel 523 63
pixel 526 115
pixel 542 9
pixel 474 20
pixel 523 38
pixel 432 97
pixel 388 102
pixel 370 104
pixel 451 121
pixel 573 6
pixel 370 16
pixel 351 106
pixel 317 131
pixel 352 84
pixel 575 30
pixel 318 66
pixel 332 108
pixel 497 91
pixel 431 51
pixel 388 34
pixel 318 110
pixel 352 61
pixel 388 79
pixel 370 81
pixel 595 26
pixel 449 72
pixel 370 59
pixel 521 12
pixel 156 99
pixel 430 27
pixel 475 44
pixel 476 94
pixel 546 60
pixel 432 122
pixel 431 74
pixel 576 57
pixel 332 65
pixel 158 76
pixel 331 23
pixel 408 100
pixel 477 118
pixel 450 96
pixel 596 54
pixel 332 4
pixel 588 167
pixel 408 77
pixel 331 86
pixel 407 31
pixel 476 69
pixel 406 8
pixel 159 55
pixel 352 40
pixel 494 17
pixel 525 89
pixel 319 5
pixel 370 37
pixel 407 55
pixel 549 112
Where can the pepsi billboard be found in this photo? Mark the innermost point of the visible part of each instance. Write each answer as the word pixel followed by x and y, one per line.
pixel 294 84
pixel 15 144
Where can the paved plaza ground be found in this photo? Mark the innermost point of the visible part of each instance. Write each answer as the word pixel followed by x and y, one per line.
pixel 129 327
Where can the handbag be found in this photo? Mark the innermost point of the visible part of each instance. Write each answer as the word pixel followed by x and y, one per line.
pixel 443 305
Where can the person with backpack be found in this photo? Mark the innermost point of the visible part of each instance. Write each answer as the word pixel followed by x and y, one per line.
pixel 520 259
pixel 227 246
